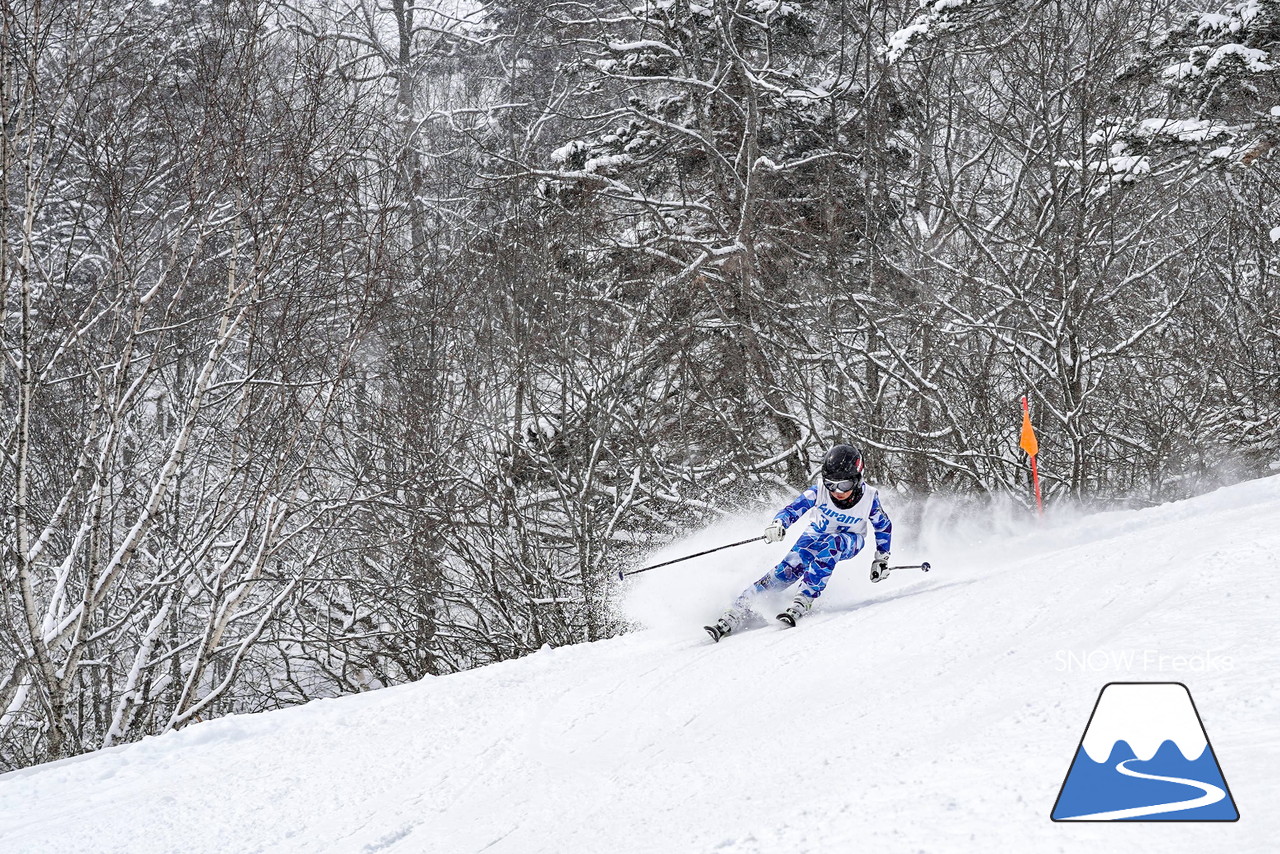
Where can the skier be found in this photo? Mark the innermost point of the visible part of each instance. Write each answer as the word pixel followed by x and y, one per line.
pixel 845 504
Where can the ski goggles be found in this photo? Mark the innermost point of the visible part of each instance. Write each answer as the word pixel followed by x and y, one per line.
pixel 839 485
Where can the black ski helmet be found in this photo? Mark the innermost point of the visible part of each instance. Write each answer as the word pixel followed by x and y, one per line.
pixel 842 472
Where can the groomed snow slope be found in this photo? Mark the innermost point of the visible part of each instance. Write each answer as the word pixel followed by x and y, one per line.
pixel 929 713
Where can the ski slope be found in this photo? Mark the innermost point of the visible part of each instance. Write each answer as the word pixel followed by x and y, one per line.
pixel 930 713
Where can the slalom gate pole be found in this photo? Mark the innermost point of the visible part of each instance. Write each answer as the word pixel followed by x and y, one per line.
pixel 622 574
pixel 1031 447
pixel 1035 480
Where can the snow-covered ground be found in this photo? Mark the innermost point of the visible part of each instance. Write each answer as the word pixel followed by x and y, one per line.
pixel 928 713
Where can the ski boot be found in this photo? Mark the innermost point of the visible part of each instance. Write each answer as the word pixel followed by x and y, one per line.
pixel 796 610
pixel 719 629
pixel 728 621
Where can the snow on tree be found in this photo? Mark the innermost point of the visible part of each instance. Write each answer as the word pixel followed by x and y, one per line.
pixel 1222 74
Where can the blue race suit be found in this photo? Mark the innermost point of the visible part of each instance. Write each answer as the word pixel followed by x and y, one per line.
pixel 835 535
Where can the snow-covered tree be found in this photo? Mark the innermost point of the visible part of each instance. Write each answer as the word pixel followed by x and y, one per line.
pixel 1222 77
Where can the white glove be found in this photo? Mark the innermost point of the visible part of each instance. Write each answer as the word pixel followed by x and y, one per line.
pixel 880 566
pixel 775 532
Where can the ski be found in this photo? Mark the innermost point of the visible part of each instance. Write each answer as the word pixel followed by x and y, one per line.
pixel 716 633
pixel 720 628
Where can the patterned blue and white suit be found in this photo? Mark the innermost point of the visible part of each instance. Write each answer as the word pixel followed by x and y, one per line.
pixel 835 535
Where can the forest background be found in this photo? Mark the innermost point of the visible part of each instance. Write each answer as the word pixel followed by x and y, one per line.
pixel 352 341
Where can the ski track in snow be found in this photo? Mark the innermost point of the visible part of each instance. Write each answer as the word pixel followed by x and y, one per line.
pixel 1210 794
pixel 927 713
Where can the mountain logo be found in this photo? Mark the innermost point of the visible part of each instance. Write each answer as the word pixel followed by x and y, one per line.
pixel 1145 756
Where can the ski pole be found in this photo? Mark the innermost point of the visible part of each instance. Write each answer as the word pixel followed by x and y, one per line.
pixel 881 576
pixel 622 575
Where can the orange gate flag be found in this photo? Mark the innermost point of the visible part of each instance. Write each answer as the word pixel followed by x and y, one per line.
pixel 1029 444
